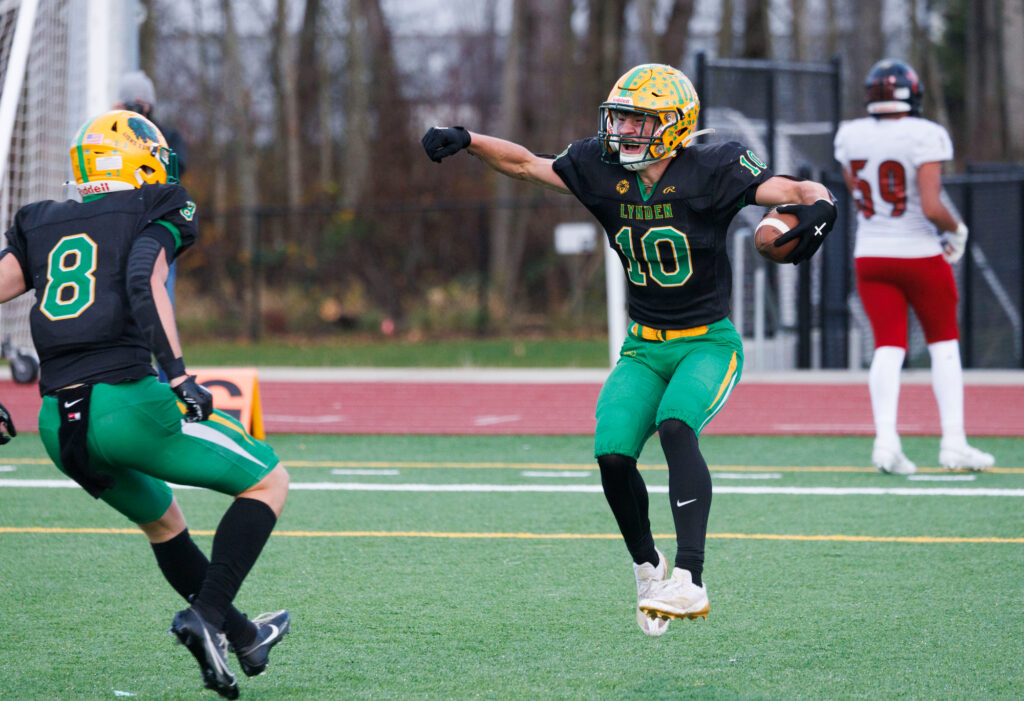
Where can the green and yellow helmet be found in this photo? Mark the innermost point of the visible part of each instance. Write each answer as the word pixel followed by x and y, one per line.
pixel 657 92
pixel 120 150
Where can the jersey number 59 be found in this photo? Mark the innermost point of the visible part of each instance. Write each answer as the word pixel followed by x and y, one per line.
pixel 892 187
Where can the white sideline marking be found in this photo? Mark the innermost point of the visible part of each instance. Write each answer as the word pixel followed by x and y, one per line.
pixel 746 476
pixel 554 473
pixel 942 478
pixel 593 489
pixel 345 471
pixel 491 420
pixel 7 468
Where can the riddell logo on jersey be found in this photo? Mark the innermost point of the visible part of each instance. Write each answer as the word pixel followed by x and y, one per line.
pixel 93 188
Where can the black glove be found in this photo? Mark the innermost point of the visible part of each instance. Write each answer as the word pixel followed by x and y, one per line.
pixel 441 142
pixel 197 400
pixel 7 430
pixel 816 221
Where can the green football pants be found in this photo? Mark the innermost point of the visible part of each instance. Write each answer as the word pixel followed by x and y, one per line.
pixel 136 434
pixel 688 379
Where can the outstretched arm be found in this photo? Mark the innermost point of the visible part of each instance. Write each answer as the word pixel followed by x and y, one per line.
pixel 506 157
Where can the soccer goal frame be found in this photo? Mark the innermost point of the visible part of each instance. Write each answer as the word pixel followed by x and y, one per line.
pixel 60 61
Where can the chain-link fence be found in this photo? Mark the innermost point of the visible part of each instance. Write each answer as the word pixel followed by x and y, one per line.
pixel 316 271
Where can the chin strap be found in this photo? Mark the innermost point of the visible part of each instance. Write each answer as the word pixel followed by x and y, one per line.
pixel 686 142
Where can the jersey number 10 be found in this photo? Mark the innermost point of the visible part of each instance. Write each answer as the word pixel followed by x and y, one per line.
pixel 665 252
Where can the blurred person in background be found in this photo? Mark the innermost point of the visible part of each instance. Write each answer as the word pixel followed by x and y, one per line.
pixel 665 205
pixel 907 241
pixel 98 270
pixel 137 94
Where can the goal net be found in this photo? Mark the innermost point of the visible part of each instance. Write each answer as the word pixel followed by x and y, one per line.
pixel 60 61
pixel 35 113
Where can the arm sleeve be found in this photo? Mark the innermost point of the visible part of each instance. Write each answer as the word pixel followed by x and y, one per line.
pixel 141 261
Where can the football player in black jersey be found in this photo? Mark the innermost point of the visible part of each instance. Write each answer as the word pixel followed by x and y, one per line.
pixel 665 205
pixel 98 269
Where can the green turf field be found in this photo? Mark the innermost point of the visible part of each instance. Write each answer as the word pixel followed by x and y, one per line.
pixel 401 587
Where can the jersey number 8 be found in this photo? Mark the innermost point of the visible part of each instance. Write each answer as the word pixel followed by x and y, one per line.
pixel 71 286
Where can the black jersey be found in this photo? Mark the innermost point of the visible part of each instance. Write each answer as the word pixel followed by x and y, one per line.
pixel 74 255
pixel 671 241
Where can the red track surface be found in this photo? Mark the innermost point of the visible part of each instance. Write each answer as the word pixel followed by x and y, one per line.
pixel 551 408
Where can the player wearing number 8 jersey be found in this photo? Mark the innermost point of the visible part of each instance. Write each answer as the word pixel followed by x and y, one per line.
pixel 906 240
pixel 665 205
pixel 98 269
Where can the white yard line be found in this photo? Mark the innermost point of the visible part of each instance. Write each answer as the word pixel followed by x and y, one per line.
pixel 594 489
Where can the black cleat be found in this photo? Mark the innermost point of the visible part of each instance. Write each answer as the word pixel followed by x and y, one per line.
pixel 270 628
pixel 209 647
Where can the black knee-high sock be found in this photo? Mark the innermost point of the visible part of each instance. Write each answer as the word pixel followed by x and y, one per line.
pixel 689 489
pixel 240 537
pixel 184 567
pixel 626 493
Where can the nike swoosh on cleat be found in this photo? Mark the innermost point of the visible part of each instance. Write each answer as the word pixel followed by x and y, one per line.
pixel 684 503
pixel 271 637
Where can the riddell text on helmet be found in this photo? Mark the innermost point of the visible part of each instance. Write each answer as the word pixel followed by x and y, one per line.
pixel 93 188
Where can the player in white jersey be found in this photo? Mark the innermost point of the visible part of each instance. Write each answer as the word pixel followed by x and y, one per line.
pixel 907 241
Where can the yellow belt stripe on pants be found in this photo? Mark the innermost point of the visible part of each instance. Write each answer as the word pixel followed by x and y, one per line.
pixel 649 333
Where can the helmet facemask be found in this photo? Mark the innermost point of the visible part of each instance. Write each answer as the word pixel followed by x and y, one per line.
pixel 637 150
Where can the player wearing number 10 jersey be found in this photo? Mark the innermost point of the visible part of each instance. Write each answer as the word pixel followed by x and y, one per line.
pixel 906 240
pixel 98 269
pixel 665 206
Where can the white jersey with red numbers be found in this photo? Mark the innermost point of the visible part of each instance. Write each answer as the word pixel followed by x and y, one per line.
pixel 883 156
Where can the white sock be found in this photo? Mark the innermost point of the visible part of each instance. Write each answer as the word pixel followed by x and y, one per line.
pixel 948 385
pixel 884 384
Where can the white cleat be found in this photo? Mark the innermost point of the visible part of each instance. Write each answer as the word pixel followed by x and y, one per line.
pixel 964 457
pixel 676 597
pixel 889 458
pixel 647 575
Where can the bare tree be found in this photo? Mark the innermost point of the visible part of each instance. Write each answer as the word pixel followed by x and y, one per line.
pixel 148 37
pixel 1013 76
pixel 861 42
pixel 987 130
pixel 287 107
pixel 672 42
pixel 505 247
pixel 756 32
pixel 725 37
pixel 665 42
pixel 356 146
pixel 242 158
pixel 311 93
